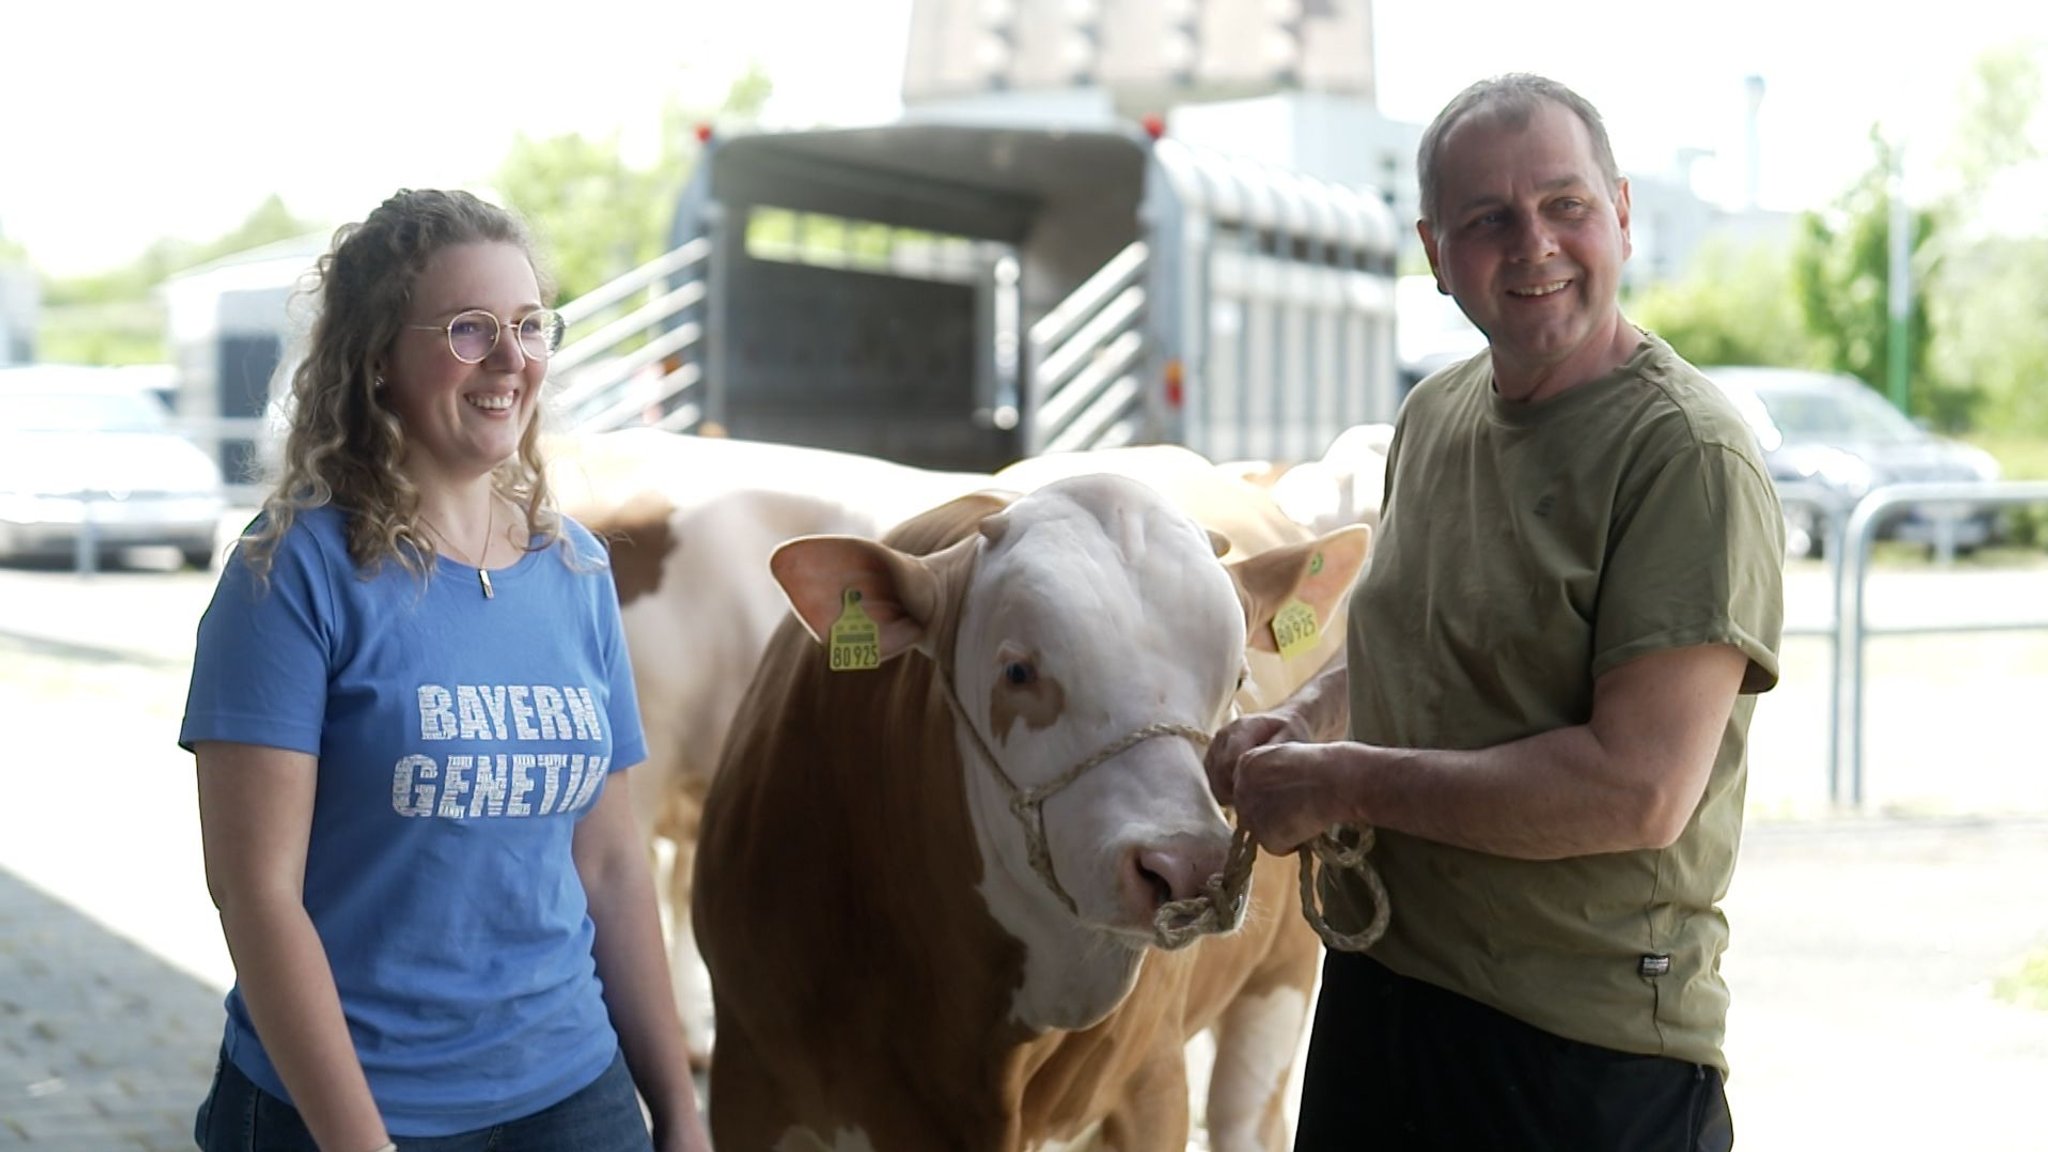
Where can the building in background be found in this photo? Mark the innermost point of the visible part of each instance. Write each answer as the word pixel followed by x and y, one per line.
pixel 1147 54
pixel 1288 83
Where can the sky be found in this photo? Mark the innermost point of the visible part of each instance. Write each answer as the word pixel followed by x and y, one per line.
pixel 123 121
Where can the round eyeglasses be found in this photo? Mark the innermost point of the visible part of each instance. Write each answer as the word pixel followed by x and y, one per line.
pixel 473 335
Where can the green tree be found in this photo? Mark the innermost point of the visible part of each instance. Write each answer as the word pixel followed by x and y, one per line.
pixel 1841 267
pixel 1993 325
pixel 1735 305
pixel 1993 132
pixel 596 214
pixel 114 317
pixel 1989 315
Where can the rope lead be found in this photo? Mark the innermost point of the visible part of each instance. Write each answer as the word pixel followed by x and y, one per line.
pixel 1221 904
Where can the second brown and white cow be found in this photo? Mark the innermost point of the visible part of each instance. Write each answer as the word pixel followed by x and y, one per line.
pixel 691 522
pixel 927 889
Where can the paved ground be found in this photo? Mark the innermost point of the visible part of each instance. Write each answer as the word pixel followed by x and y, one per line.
pixel 1867 947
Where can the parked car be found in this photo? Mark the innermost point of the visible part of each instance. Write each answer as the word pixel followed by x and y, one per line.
pixel 1836 439
pixel 85 446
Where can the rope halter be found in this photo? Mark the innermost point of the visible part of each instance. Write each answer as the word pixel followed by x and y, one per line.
pixel 1221 904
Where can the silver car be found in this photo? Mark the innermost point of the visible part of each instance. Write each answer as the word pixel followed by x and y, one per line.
pixel 85 454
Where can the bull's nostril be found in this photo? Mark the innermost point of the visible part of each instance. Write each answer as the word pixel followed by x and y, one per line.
pixel 1162 889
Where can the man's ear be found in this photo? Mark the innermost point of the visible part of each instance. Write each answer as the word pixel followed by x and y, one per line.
pixel 1427 233
pixel 1621 211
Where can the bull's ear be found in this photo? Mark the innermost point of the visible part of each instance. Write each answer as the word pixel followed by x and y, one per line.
pixel 897 591
pixel 1317 572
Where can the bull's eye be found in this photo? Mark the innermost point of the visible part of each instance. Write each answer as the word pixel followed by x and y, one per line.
pixel 1241 674
pixel 1019 673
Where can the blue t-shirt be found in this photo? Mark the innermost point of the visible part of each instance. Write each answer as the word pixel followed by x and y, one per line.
pixel 460 739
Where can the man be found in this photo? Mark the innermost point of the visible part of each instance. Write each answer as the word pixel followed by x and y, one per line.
pixel 1552 658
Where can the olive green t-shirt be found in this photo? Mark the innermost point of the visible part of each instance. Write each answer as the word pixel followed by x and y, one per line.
pixel 1524 550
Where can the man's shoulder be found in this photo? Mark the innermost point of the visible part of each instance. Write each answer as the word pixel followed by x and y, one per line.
pixel 1703 410
pixel 1455 376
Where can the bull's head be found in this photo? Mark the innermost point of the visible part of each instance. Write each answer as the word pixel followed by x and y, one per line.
pixel 1088 638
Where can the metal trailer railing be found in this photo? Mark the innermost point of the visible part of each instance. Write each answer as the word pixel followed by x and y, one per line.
pixel 1850 565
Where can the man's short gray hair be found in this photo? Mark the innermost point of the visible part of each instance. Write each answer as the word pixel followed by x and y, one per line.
pixel 1512 98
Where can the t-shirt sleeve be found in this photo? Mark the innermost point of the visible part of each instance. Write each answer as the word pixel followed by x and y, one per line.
pixel 260 664
pixel 1699 559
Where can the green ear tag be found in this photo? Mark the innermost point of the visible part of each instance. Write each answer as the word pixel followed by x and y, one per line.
pixel 1315 564
pixel 1294 628
pixel 855 643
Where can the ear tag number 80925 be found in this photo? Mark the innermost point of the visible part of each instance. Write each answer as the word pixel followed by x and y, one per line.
pixel 1294 625
pixel 855 643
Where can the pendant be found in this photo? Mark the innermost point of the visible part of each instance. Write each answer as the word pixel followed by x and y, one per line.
pixel 483 577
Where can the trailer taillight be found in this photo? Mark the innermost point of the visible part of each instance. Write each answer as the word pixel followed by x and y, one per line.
pixel 1176 384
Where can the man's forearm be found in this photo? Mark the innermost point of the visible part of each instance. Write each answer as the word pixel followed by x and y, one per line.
pixel 1545 797
pixel 1323 704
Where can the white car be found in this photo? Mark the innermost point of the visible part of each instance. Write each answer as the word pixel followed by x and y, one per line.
pixel 85 453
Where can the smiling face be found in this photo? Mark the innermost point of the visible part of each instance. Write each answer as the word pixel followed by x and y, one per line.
pixel 1529 235
pixel 463 420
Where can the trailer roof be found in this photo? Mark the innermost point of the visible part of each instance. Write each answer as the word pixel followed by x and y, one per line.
pixel 993 181
pixel 989 182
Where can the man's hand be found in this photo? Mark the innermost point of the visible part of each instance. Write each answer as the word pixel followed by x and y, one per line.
pixel 1286 789
pixel 1287 794
pixel 1241 736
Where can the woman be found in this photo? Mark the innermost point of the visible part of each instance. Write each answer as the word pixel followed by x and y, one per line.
pixel 407 698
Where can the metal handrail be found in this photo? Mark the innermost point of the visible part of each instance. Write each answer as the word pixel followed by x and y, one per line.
pixel 1080 353
pixel 633 280
pixel 599 382
pixel 633 323
pixel 1120 314
pixel 1122 270
pixel 1845 762
pixel 592 380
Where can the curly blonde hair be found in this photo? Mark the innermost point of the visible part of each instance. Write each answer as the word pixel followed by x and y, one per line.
pixel 344 445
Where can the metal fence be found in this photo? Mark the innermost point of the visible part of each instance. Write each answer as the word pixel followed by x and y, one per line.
pixel 1849 552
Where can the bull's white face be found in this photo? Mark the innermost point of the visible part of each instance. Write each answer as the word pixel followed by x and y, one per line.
pixel 1095 609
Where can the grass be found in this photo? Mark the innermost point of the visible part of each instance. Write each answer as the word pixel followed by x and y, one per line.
pixel 2019 457
pixel 2022 458
pixel 2027 987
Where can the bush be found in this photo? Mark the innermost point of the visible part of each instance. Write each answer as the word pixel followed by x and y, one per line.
pixel 2021 458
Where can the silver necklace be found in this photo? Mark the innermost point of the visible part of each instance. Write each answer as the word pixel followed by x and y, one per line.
pixel 483 574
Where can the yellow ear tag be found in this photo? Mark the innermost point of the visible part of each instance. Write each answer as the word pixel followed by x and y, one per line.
pixel 1294 625
pixel 855 642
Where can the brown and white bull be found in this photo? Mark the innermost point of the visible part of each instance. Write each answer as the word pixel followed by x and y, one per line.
pixel 691 522
pixel 928 890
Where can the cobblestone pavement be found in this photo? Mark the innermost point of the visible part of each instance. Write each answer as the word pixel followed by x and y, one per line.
pixel 103 1045
pixel 1866 950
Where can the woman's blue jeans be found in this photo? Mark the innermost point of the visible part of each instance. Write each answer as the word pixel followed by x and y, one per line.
pixel 237 1116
